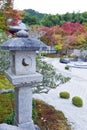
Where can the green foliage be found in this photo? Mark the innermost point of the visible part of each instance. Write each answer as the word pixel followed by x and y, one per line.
pixel 67 17
pixel 58 19
pixel 58 46
pixel 77 101
pixel 7 108
pixel 63 79
pixel 50 78
pixel 4 60
pixel 3 36
pixel 3 23
pixel 67 67
pixel 4 83
pixel 34 111
pixel 30 20
pixel 34 13
pixel 9 119
pixel 64 94
pixel 6 105
pixel 51 20
pixel 49 75
pixel 4 55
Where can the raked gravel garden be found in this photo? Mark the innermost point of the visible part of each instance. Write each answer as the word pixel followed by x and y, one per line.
pixel 76 86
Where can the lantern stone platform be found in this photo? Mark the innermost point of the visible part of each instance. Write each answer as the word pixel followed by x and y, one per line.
pixel 22 74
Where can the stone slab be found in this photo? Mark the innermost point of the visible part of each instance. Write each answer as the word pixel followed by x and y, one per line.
pixel 21 80
pixel 5 126
pixel 27 126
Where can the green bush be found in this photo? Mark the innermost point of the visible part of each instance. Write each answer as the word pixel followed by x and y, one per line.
pixel 67 67
pixel 77 101
pixel 64 94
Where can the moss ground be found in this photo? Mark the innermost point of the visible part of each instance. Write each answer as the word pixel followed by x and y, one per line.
pixel 6 105
pixel 4 83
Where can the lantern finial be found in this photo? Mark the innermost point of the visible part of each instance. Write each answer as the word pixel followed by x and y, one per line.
pixel 22 33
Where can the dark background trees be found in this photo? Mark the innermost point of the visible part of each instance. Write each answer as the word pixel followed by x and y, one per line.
pixel 29 19
pixel 52 20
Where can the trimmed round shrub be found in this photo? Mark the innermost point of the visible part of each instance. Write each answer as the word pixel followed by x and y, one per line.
pixel 77 101
pixel 64 94
pixel 67 67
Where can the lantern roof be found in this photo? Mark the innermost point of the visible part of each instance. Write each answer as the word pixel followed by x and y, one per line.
pixel 20 25
pixel 23 42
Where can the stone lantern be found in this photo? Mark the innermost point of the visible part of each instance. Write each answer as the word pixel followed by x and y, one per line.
pixel 20 26
pixel 22 74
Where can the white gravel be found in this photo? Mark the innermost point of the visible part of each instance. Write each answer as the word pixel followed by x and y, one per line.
pixel 77 86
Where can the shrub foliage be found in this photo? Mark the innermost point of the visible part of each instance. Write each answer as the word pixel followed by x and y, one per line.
pixel 50 78
pixel 64 94
pixel 77 101
pixel 67 67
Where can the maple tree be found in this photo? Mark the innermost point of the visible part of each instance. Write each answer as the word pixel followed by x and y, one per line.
pixel 8 16
pixel 82 41
pixel 49 37
pixel 72 28
pixel 69 42
pixel 75 37
pixel 59 33
pixel 85 25
pixel 66 37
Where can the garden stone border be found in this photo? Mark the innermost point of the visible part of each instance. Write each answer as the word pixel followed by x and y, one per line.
pixel 5 126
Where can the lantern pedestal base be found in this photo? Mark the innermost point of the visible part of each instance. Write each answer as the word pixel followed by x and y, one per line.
pixel 23 108
pixel 23 98
pixel 27 126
